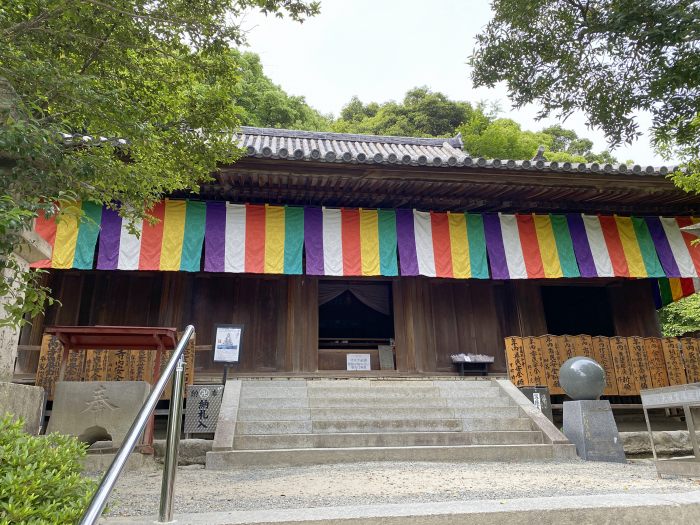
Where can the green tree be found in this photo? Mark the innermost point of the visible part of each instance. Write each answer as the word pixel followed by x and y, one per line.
pixel 681 317
pixel 504 139
pixel 607 58
pixel 263 103
pixel 422 113
pixel 113 102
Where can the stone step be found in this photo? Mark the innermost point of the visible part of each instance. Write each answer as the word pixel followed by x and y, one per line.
pixel 385 392
pixel 387 425
pixel 372 413
pixel 399 439
pixel 235 459
pixel 496 424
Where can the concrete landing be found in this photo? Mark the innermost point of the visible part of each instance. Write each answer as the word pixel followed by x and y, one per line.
pixel 650 509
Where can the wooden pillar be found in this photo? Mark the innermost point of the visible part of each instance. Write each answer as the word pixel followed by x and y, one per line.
pixel 301 351
pixel 403 326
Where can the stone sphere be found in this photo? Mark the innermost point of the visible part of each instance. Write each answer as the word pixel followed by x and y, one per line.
pixel 582 378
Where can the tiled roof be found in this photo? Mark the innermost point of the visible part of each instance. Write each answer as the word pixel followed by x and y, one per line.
pixel 343 148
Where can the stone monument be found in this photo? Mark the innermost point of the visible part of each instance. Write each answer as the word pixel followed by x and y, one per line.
pixel 97 410
pixel 588 421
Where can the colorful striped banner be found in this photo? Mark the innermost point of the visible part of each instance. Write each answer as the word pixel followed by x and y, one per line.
pixel 441 244
pixel 72 237
pixel 253 238
pixel 671 289
pixel 267 239
pixel 530 246
pixel 173 243
pixel 350 242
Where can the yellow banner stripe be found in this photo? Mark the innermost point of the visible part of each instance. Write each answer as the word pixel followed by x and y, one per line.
pixel 548 246
pixel 630 245
pixel 274 239
pixel 369 242
pixel 461 265
pixel 676 290
pixel 66 235
pixel 173 235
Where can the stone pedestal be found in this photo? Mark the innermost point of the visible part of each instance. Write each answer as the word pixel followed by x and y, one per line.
pixel 97 410
pixel 591 427
pixel 23 402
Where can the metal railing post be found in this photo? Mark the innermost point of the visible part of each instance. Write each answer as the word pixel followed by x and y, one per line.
pixel 172 444
pixel 99 499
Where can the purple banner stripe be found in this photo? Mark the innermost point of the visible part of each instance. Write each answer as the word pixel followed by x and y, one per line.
pixel 110 233
pixel 215 237
pixel 313 240
pixel 663 248
pixel 582 248
pixel 406 239
pixel 494 245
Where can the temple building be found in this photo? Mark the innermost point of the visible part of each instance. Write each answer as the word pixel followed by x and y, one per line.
pixel 326 245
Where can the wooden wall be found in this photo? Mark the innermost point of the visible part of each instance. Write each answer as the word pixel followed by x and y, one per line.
pixel 433 318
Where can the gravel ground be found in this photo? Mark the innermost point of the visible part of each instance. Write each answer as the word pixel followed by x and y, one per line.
pixel 199 490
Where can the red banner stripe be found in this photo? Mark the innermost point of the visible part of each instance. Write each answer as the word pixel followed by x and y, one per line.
pixel 530 246
pixel 442 245
pixel 612 240
pixel 255 238
pixel 152 239
pixel 352 251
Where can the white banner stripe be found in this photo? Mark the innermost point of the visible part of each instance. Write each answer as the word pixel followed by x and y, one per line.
pixel 514 250
pixel 423 229
pixel 129 246
pixel 332 242
pixel 599 250
pixel 234 256
pixel 678 247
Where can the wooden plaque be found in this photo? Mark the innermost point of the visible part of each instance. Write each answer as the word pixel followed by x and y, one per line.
pixel 656 362
pixel 640 367
pixel 96 365
pixel 583 346
pixel 533 362
pixel 75 366
pixel 49 368
pixel 118 364
pixel 551 363
pixel 601 353
pixel 624 374
pixel 515 357
pixel 567 348
pixel 691 358
pixel 674 361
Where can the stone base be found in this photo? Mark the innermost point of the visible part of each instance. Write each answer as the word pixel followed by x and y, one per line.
pixel 25 402
pixel 97 410
pixel 591 427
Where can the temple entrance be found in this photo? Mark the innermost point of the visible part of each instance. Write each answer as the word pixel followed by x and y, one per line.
pixel 353 318
pixel 573 310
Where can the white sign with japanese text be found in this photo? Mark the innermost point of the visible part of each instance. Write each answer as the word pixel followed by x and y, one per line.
pixel 358 362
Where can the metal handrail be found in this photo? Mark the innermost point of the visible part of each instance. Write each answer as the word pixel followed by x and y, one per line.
pixel 165 514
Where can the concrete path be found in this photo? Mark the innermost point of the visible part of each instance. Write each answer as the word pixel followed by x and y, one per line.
pixel 616 509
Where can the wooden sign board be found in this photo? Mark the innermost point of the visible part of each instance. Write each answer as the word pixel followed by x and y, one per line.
pixel 96 362
pixel 674 361
pixel 533 362
pixel 624 373
pixel 656 362
pixel 551 362
pixel 50 356
pixel 601 353
pixel 515 358
pixel 640 367
pixel 567 348
pixel 691 358
pixel 583 346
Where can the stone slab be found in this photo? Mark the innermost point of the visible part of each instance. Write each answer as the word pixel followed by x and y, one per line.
pixel 667 442
pixel 25 402
pixel 191 451
pixel 650 509
pixel 91 410
pixel 101 462
pixel 591 427
pixel 686 467
pixel 228 415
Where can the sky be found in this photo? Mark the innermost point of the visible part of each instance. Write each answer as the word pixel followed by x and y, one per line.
pixel 379 49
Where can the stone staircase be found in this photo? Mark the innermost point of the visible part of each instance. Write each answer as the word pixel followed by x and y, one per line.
pixel 299 422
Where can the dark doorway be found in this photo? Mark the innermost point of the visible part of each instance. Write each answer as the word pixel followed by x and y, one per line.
pixel 572 310
pixel 362 311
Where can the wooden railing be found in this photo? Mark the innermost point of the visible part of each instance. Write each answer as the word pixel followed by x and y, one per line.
pixel 630 363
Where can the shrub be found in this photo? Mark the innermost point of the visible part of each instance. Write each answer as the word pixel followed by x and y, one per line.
pixel 40 477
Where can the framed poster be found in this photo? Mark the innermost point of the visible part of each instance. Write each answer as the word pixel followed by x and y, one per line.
pixel 227 343
pixel 358 362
